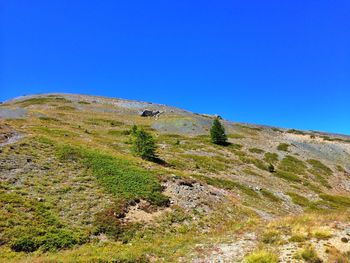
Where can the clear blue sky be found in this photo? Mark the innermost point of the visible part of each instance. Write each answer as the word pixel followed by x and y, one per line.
pixel 283 63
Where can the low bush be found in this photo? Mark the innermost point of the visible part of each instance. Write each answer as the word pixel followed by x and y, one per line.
pixel 283 147
pixel 271 157
pixel 287 176
pixel 261 256
pixel 270 237
pixel 143 144
pixel 51 239
pixel 292 165
pixel 319 168
pixel 119 177
pixel 309 255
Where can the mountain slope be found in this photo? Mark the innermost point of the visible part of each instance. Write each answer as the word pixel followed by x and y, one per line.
pixel 71 190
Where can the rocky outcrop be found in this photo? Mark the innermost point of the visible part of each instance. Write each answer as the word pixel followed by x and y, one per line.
pixel 150 113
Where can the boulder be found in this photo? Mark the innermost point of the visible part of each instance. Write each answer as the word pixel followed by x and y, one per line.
pixel 150 113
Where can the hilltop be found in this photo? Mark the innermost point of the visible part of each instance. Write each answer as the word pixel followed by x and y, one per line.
pixel 72 191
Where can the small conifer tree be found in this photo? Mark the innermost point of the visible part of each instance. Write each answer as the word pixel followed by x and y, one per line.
pixel 217 133
pixel 143 144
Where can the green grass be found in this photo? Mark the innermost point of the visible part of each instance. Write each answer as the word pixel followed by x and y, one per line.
pixel 271 237
pixel 247 159
pixel 261 256
pixel 227 184
pixel 235 136
pixel 283 147
pixel 54 132
pixel 205 163
pixel 292 165
pixel 308 254
pixel 271 157
pixel 101 122
pixel 300 200
pixel 49 119
pixel 319 168
pixel 270 195
pixel 41 101
pixel 119 177
pixel 119 132
pixel 256 150
pixel 336 200
pixel 287 176
pixel 29 225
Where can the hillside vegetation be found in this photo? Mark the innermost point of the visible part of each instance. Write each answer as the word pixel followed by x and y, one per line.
pixel 72 188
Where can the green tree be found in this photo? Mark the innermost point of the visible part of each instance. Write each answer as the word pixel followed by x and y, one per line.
pixel 143 144
pixel 217 133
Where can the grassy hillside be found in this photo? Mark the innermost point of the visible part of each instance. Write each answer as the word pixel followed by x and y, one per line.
pixel 71 190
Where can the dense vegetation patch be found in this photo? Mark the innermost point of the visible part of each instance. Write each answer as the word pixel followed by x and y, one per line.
pixel 283 147
pixel 319 168
pixel 292 165
pixel 28 225
pixel 119 177
pixel 261 256
pixel 271 157
pixel 42 100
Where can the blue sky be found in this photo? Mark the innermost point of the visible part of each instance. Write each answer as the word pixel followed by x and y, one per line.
pixel 281 63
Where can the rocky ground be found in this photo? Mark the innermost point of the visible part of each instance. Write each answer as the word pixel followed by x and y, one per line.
pixel 224 203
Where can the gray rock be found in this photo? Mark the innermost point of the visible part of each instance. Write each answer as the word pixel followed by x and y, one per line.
pixel 6 113
pixel 150 113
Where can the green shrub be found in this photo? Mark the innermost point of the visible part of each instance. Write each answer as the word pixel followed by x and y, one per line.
pixel 24 244
pixel 283 147
pixel 300 200
pixel 319 168
pixel 336 200
pixel 143 144
pixel 309 255
pixel 298 238
pixel 292 165
pixel 270 195
pixel 270 237
pixel 287 176
pixel 119 177
pixel 109 222
pixel 271 157
pixel 59 239
pixel 49 239
pixel 261 256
